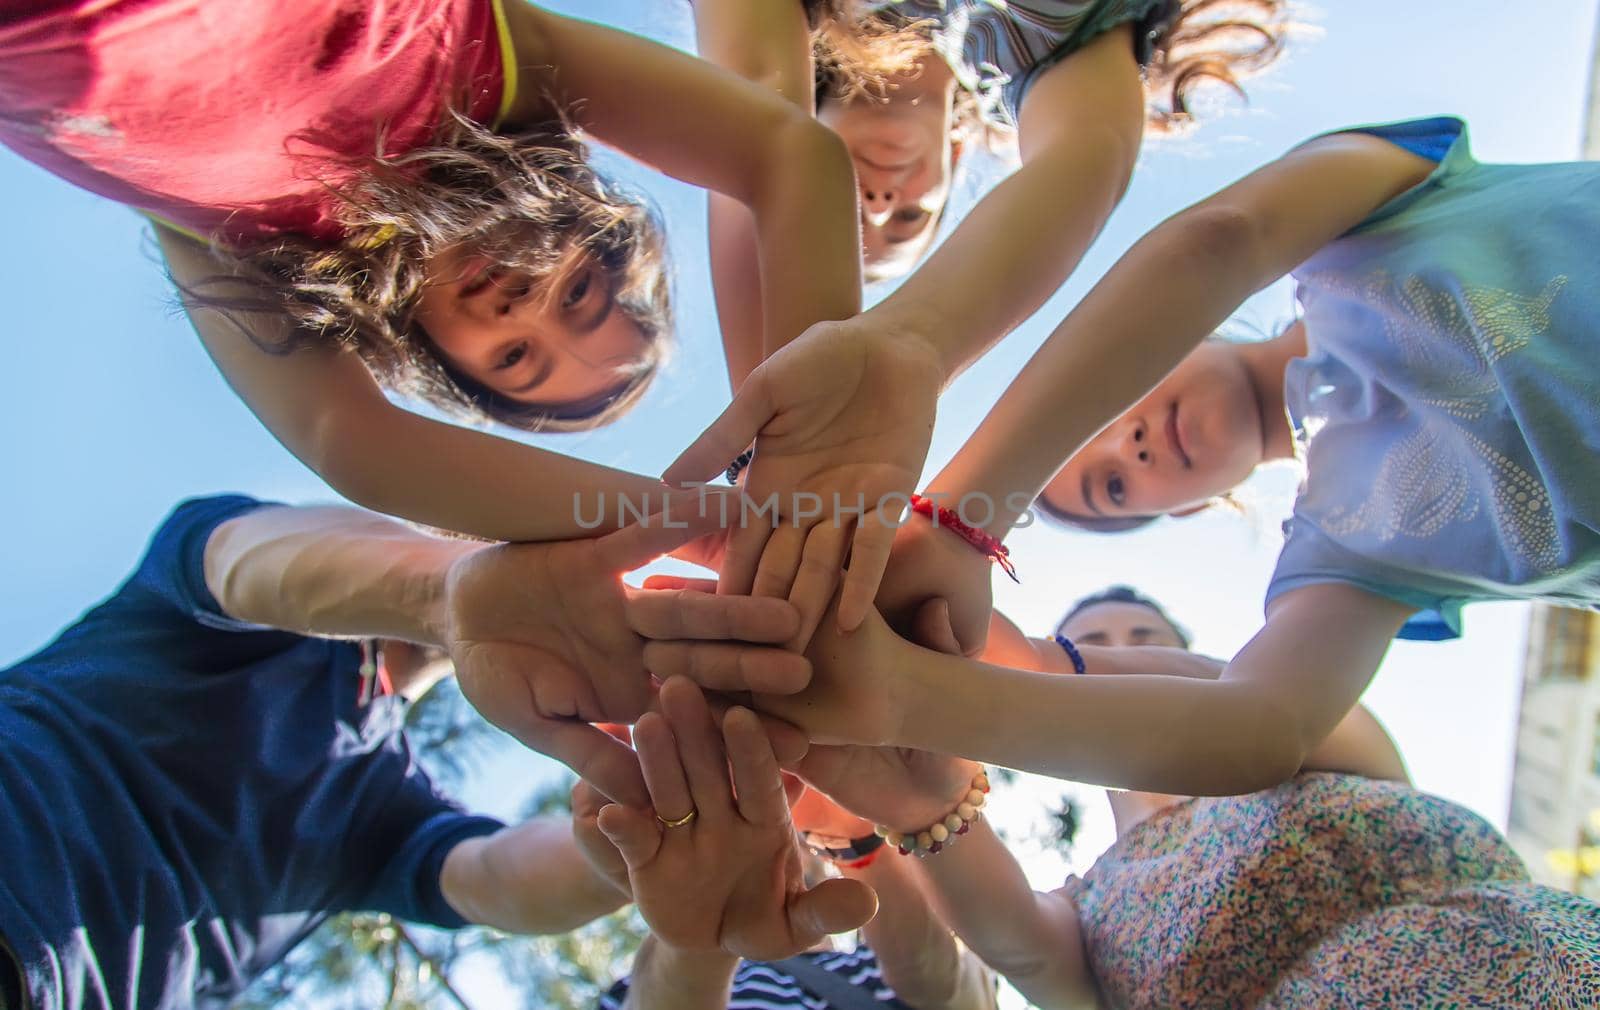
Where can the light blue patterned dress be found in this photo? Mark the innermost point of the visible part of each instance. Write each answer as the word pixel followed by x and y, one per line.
pixel 997 48
pixel 1449 403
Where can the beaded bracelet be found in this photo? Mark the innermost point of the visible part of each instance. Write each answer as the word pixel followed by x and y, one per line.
pixel 737 466
pixel 1072 653
pixel 985 543
pixel 941 833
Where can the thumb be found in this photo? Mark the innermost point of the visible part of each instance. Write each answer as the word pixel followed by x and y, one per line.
pixel 833 906
pixel 729 435
pixel 633 832
pixel 932 628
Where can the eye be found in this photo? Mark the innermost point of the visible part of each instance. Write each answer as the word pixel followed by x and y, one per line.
pixel 578 291
pixel 512 356
pixel 1116 491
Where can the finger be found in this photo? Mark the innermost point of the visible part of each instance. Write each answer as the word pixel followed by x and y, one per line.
pixel 747 542
pixel 718 666
pixel 817 579
pixel 608 764
pixel 676 519
pixel 636 834
pixel 680 582
pixel 757 783
pixel 684 613
pixel 869 556
pixel 780 560
pixel 789 742
pixel 931 629
pixel 729 435
pixel 586 800
pixel 700 749
pixel 663 771
pixel 833 906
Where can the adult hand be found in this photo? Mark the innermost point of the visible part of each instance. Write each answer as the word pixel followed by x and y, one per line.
pixel 726 873
pixel 841 419
pixel 547 639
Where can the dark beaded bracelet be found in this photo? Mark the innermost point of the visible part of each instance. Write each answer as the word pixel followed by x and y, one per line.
pixel 1072 653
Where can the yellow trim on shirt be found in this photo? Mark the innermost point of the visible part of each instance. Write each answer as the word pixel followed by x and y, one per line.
pixel 508 64
pixel 172 226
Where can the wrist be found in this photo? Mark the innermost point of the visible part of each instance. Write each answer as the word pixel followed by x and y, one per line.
pixel 462 878
pixel 914 330
pixel 953 818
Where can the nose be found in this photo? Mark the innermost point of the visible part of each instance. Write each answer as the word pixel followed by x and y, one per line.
pixel 1136 442
pixel 877 202
pixel 881 191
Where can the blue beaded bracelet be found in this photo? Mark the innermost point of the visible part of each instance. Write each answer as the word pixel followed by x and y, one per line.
pixel 1072 653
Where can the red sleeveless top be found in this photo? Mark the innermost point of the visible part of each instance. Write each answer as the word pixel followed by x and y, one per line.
pixel 196 111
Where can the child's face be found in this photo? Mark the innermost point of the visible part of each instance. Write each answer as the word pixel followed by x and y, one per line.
pixel 1196 435
pixel 904 160
pixel 560 343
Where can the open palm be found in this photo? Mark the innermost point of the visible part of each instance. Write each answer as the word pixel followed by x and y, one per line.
pixel 841 420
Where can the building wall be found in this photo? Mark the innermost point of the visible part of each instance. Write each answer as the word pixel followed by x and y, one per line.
pixel 1554 821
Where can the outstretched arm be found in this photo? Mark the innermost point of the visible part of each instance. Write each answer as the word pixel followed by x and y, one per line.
pixel 325 408
pixel 1249 729
pixel 766 42
pixel 545 638
pixel 1079 130
pixel 530 878
pixel 712 129
pixel 1204 262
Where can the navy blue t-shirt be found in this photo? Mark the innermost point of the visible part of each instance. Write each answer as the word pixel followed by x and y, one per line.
pixel 184 797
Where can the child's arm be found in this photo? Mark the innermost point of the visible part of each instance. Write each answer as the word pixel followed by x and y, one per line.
pixel 1032 938
pixel 326 409
pixel 1250 729
pixel 1168 293
pixel 664 977
pixel 531 878
pixel 920 960
pixel 1359 745
pixel 975 885
pixel 769 43
pixel 706 126
pixel 1079 131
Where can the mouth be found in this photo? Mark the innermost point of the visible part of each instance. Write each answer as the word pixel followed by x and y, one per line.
pixel 1175 438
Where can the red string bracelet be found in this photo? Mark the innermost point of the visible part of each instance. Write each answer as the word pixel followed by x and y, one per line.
pixel 986 544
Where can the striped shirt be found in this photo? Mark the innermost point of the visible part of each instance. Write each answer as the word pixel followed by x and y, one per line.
pixel 758 985
pixel 997 48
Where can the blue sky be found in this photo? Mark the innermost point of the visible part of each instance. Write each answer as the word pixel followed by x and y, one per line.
pixel 110 411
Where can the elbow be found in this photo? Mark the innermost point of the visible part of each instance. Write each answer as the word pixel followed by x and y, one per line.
pixel 1213 235
pixel 800 148
pixel 1273 754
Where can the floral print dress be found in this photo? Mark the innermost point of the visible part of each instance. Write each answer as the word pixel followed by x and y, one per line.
pixel 1330 891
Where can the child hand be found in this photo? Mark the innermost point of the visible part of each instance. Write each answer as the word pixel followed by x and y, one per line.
pixel 929 563
pixel 546 640
pixel 843 416
pixel 903 789
pixel 710 871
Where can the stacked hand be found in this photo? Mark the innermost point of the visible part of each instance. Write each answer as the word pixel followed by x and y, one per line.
pixel 547 640
pixel 717 864
pixel 841 418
